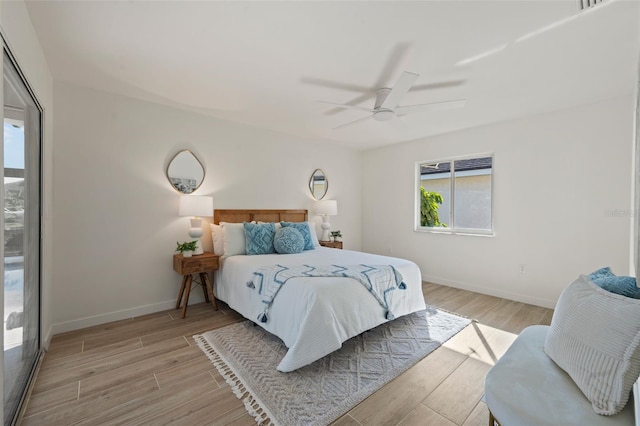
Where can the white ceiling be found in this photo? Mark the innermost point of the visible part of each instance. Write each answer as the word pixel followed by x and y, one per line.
pixel 265 63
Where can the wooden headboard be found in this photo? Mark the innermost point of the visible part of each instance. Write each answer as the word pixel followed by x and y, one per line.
pixel 236 216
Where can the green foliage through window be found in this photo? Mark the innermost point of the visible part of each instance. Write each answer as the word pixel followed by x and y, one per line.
pixel 429 204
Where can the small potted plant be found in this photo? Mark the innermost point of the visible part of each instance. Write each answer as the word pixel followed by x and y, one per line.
pixel 187 248
pixel 336 235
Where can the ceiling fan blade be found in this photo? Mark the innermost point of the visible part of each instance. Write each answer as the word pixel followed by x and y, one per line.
pixel 346 106
pixel 397 56
pixel 352 102
pixel 433 106
pixel 368 117
pixel 398 91
pixel 440 85
pixel 335 84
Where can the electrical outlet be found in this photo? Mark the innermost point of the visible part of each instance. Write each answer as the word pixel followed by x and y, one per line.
pixel 389 250
pixel 522 268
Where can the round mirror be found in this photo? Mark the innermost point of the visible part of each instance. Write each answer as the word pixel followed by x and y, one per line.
pixel 318 184
pixel 185 172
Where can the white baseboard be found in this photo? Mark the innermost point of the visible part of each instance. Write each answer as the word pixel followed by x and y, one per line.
pixel 537 301
pixel 63 327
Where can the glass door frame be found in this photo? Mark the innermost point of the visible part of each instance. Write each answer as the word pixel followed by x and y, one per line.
pixel 40 344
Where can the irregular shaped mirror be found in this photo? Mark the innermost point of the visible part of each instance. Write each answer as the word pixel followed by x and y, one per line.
pixel 185 172
pixel 318 184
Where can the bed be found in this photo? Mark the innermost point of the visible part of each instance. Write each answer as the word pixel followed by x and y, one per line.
pixel 312 315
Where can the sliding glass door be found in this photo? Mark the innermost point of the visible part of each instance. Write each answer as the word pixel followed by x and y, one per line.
pixel 21 147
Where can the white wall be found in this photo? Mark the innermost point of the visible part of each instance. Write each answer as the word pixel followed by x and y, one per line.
pixel 116 213
pixel 556 178
pixel 21 38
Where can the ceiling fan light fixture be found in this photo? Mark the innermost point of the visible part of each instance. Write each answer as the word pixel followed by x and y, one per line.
pixel 383 115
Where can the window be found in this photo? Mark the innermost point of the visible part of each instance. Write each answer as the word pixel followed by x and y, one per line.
pixel 455 195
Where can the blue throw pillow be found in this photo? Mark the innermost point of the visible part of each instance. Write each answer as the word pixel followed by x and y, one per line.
pixel 288 240
pixel 607 280
pixel 259 237
pixel 303 228
pixel 601 273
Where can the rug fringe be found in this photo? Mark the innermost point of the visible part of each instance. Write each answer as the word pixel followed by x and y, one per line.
pixel 251 404
pixel 451 312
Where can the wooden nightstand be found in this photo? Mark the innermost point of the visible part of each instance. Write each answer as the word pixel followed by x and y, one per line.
pixel 331 244
pixel 200 264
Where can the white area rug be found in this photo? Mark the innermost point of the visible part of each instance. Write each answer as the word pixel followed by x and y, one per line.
pixel 247 356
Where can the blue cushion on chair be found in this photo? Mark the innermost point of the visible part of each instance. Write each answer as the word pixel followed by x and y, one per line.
pixel 601 273
pixel 607 280
pixel 288 240
pixel 625 286
pixel 259 237
pixel 303 228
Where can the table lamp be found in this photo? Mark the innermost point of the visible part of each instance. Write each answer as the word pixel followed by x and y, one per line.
pixel 196 206
pixel 326 208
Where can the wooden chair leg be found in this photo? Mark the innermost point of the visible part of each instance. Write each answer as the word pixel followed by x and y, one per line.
pixel 492 420
pixel 186 297
pixel 182 286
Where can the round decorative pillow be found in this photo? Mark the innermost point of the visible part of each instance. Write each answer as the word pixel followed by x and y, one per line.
pixel 288 240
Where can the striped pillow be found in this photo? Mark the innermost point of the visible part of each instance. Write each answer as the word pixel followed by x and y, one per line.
pixel 595 337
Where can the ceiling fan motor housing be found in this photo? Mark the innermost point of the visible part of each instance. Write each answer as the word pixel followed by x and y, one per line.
pixel 383 115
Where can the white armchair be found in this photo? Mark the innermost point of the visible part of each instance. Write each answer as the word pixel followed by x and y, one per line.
pixel 526 388
pixel 580 370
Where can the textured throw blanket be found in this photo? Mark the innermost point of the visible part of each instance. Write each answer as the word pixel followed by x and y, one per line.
pixel 379 280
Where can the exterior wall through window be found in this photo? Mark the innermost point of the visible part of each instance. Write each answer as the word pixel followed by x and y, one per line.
pixel 465 199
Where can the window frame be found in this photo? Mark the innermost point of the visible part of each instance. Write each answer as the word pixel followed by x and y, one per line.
pixel 17 115
pixel 451 230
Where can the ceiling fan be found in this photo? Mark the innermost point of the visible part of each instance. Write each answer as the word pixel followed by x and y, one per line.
pixel 387 104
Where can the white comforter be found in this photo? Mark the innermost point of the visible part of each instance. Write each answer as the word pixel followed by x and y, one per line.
pixel 314 315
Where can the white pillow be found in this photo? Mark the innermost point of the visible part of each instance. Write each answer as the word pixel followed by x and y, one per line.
pixel 217 236
pixel 595 337
pixel 276 224
pixel 234 240
pixel 314 234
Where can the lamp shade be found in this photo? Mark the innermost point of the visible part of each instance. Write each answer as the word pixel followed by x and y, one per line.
pixel 195 205
pixel 326 208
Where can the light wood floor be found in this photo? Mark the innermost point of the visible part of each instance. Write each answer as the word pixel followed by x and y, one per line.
pixel 148 370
